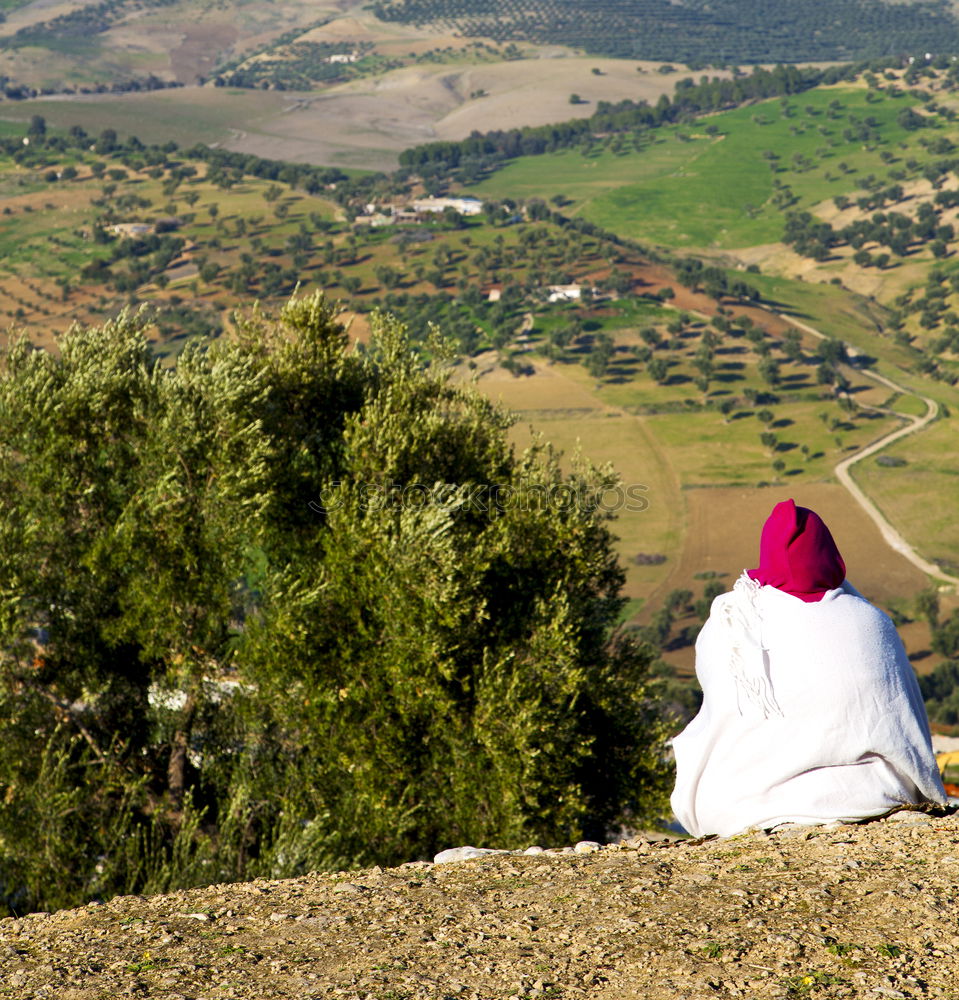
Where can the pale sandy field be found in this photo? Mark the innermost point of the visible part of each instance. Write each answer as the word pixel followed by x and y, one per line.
pixel 364 123
pixel 179 42
pixel 367 123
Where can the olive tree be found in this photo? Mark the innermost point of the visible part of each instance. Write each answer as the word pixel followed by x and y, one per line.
pixel 294 605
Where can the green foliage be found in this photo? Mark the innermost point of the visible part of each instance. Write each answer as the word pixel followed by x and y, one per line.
pixel 839 949
pixel 945 636
pixel 290 606
pixel 940 691
pixel 810 983
pixel 927 605
pixel 701 33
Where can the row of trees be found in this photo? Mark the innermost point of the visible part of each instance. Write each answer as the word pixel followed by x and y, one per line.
pixel 893 230
pixel 487 151
pixel 699 32
pixel 291 606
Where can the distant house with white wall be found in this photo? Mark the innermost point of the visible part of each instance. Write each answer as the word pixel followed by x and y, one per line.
pixel 131 229
pixel 376 221
pixel 564 293
pixel 465 206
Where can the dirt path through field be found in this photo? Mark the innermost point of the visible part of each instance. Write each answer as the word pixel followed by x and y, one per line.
pixel 892 537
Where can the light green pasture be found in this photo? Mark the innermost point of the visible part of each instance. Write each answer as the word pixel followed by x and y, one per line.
pixel 687 188
pixel 920 497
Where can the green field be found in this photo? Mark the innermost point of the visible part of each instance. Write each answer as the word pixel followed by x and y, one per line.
pixel 681 187
pixel 919 496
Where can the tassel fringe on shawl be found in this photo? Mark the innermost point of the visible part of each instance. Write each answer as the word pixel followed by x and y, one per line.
pixel 811 714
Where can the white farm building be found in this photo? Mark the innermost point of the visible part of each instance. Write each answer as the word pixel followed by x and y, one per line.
pixel 465 206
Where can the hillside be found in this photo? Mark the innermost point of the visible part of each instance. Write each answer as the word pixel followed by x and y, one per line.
pixel 843 911
pixel 700 31
pixel 677 376
pixel 113 44
pixel 325 83
pixel 121 45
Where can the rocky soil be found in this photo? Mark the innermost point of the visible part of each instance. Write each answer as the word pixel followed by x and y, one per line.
pixel 844 911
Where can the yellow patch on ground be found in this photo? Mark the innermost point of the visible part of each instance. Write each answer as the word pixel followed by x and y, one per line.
pixel 649 506
pixel 548 390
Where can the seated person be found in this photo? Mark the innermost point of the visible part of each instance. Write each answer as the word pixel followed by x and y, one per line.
pixel 811 711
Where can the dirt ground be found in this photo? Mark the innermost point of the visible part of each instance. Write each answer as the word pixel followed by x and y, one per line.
pixel 369 122
pixel 363 124
pixel 846 911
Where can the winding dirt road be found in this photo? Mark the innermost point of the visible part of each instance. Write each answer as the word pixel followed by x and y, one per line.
pixel 889 533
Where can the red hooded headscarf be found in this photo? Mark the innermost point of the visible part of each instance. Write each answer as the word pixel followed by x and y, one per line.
pixel 797 553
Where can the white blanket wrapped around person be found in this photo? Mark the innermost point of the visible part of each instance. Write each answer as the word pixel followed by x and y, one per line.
pixel 811 710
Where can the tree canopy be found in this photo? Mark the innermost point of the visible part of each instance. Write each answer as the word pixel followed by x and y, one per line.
pixel 293 605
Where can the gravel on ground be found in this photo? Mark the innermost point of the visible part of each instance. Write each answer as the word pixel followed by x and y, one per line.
pixel 864 910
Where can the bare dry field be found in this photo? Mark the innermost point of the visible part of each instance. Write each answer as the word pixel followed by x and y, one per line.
pixel 367 123
pixel 537 92
pixel 362 124
pixel 178 42
pixel 723 536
